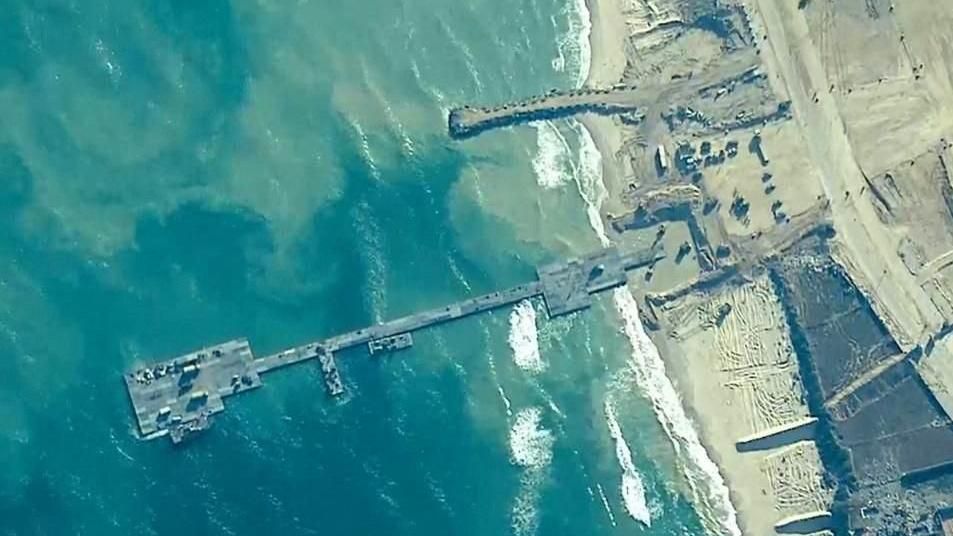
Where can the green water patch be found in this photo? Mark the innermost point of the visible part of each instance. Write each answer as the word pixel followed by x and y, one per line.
pixel 184 173
pixel 16 181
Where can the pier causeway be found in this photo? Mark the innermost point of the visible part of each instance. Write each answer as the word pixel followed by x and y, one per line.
pixel 178 397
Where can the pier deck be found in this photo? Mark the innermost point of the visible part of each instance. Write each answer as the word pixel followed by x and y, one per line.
pixel 390 344
pixel 178 397
pixel 399 326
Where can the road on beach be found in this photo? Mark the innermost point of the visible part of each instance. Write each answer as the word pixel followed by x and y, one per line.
pixel 864 246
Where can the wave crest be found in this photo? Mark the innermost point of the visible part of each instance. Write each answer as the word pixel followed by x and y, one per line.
pixel 553 156
pixel 572 48
pixel 633 491
pixel 531 445
pixel 524 339
pixel 706 483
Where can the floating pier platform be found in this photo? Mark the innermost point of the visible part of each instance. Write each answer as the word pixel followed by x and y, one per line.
pixel 391 344
pixel 178 397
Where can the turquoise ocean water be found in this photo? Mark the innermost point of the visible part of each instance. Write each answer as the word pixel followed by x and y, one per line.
pixel 178 173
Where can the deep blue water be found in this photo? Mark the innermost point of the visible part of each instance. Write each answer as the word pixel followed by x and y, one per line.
pixel 174 174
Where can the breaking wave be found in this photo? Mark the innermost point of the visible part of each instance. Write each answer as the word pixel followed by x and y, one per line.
pixel 572 47
pixel 531 447
pixel 605 504
pixel 706 483
pixel 524 339
pixel 553 156
pixel 524 515
pixel 589 183
pixel 633 491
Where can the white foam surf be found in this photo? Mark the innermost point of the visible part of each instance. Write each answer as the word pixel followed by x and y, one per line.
pixel 553 156
pixel 706 483
pixel 531 447
pixel 576 43
pixel 605 504
pixel 633 491
pixel 559 62
pixel 572 47
pixel 573 53
pixel 506 401
pixel 524 339
pixel 589 182
pixel 524 516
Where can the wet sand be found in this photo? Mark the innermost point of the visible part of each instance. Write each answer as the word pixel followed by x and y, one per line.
pixel 607 42
pixel 699 389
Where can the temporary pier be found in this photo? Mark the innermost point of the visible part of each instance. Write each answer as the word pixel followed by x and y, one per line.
pixel 177 397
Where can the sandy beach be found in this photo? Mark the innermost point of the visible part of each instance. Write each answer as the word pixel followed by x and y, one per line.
pixel 607 63
pixel 792 163
pixel 721 414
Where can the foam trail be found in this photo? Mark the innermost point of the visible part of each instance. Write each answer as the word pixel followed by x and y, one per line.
pixel 559 62
pixel 531 447
pixel 438 96
pixel 455 270
pixel 365 146
pixel 576 41
pixel 633 491
pixel 572 47
pixel 589 181
pixel 372 254
pixel 605 504
pixel 469 60
pixel 524 339
pixel 573 51
pixel 706 483
pixel 524 515
pixel 552 155
pixel 552 405
pixel 396 126
pixel 506 401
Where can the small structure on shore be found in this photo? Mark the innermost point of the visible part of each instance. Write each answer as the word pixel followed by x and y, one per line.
pixel 661 160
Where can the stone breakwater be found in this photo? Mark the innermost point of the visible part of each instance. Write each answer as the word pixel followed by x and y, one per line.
pixel 621 99
pixel 468 121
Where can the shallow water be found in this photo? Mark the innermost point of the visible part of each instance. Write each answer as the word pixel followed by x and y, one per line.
pixel 180 173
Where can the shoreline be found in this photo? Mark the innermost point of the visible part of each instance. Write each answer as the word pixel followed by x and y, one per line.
pixel 607 65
